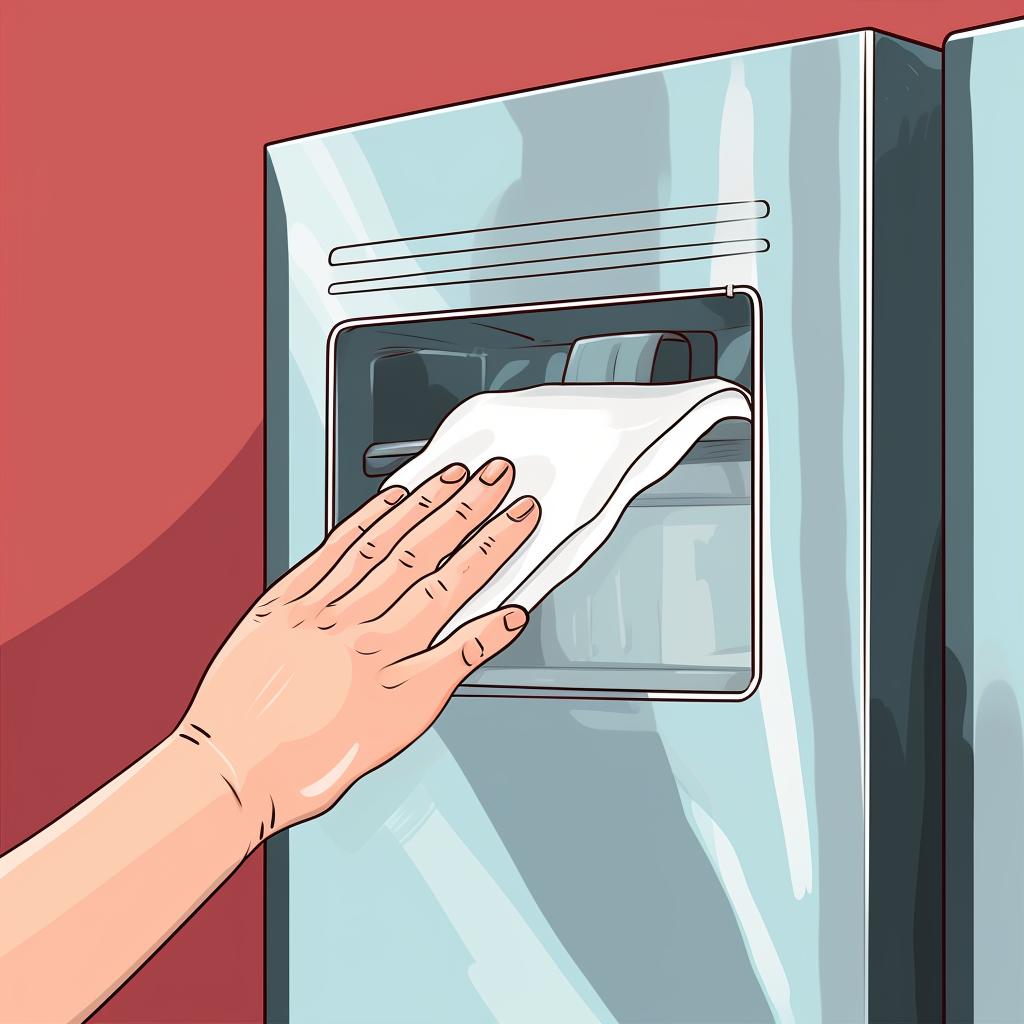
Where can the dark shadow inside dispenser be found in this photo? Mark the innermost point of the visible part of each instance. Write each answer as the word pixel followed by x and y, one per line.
pixel 666 604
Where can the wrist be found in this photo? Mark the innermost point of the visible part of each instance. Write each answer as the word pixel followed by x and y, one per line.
pixel 215 788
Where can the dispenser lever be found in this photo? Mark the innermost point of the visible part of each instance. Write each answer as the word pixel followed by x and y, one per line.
pixel 630 358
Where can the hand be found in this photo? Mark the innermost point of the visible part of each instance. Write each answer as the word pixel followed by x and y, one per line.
pixel 326 677
pixel 331 672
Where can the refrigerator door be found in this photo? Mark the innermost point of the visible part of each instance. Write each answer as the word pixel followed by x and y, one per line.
pixel 984 541
pixel 571 859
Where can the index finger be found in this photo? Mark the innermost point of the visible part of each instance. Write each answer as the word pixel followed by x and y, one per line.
pixel 301 578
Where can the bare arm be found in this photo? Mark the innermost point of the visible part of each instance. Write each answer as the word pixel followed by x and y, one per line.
pixel 87 900
pixel 327 676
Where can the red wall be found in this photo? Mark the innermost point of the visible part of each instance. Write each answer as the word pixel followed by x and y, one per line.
pixel 131 312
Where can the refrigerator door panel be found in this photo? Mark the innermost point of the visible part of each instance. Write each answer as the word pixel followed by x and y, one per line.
pixel 617 860
pixel 984 544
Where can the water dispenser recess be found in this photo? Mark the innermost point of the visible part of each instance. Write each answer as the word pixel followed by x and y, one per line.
pixel 414 389
pixel 666 607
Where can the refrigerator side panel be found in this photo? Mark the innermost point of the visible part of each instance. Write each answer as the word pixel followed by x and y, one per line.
pixel 905 404
pixel 958 355
pixel 276 385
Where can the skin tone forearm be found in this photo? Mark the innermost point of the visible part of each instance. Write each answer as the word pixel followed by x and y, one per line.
pixel 160 837
pixel 331 673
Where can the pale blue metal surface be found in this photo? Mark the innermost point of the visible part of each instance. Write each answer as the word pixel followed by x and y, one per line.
pixel 985 542
pixel 568 860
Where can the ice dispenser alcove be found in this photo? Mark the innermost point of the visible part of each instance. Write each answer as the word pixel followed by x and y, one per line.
pixel 665 607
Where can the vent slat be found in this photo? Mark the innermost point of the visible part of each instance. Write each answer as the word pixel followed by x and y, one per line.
pixel 554 229
pixel 714 249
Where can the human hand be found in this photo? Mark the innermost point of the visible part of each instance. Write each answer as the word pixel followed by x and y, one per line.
pixel 331 672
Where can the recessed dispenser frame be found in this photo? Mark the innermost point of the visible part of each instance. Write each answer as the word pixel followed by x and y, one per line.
pixel 552 689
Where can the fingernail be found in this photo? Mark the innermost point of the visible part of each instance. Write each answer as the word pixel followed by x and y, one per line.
pixel 494 470
pixel 454 473
pixel 515 618
pixel 393 495
pixel 521 509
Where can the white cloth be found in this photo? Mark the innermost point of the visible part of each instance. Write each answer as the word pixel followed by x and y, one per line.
pixel 584 451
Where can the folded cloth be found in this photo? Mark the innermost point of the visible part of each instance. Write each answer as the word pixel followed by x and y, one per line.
pixel 584 451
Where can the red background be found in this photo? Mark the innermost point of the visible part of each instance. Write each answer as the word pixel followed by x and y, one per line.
pixel 131 377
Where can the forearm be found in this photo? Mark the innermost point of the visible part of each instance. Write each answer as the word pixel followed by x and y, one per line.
pixel 86 901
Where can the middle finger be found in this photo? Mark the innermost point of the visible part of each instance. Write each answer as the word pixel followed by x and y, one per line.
pixel 424 547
